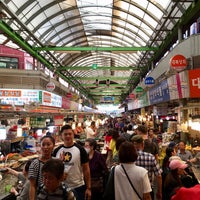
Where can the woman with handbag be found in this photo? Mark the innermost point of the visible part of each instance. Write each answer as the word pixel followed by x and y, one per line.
pixel 98 169
pixel 126 180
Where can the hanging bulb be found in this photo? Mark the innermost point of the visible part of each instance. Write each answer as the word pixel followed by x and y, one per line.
pixel 107 82
pixel 97 82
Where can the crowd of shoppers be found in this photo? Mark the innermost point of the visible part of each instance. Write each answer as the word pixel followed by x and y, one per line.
pixel 129 170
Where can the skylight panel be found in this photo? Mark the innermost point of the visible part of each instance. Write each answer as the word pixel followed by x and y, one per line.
pixel 136 11
pixel 91 10
pixel 164 4
pixel 150 20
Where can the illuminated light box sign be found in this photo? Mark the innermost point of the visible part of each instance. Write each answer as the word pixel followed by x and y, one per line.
pixel 39 122
pixel 108 98
pixel 149 81
pixel 50 99
pixel 23 96
pixel 18 97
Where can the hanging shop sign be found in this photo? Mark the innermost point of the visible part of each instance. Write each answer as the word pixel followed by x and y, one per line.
pixel 139 89
pixel 131 96
pixel 69 95
pixel 50 86
pixel 178 62
pixel 149 81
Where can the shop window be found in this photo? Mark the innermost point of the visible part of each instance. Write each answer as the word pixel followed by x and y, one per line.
pixel 29 66
pixel 11 63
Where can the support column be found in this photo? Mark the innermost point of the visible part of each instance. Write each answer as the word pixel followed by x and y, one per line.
pixel 180 34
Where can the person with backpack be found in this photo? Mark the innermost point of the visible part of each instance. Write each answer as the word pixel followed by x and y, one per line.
pixel 53 188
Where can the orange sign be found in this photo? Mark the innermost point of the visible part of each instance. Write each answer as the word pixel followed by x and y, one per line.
pixel 194 82
pixel 46 97
pixel 10 93
pixel 178 62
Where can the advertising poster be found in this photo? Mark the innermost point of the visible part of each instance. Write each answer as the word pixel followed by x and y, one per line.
pixel 159 93
pixel 173 90
pixel 194 83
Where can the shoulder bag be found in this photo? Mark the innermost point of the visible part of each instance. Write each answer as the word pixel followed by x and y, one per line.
pixel 131 182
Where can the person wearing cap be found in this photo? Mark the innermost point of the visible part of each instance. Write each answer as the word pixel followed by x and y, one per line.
pixel 173 179
pixel 148 161
pixel 173 145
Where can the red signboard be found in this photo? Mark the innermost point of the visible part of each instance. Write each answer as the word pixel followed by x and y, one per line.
pixel 69 95
pixel 194 82
pixel 58 120
pixel 178 62
pixel 131 96
pixel 65 103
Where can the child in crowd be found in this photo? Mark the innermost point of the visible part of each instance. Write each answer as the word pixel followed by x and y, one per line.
pixel 53 188
pixel 22 191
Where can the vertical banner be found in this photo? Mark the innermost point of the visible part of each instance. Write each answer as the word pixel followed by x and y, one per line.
pixel 178 81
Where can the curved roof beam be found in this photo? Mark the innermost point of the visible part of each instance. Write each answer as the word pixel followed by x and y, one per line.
pixel 80 61
pixel 83 36
pixel 78 16
pixel 122 62
pixel 80 24
pixel 113 24
pixel 75 7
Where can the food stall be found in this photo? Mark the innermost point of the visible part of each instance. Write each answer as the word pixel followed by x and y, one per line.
pixel 15 161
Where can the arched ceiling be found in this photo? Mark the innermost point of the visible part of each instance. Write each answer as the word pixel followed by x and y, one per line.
pixel 88 40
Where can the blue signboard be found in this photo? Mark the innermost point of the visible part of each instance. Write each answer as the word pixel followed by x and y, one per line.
pixel 108 98
pixel 159 93
pixel 149 80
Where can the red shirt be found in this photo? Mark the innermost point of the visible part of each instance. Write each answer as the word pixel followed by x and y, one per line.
pixel 107 141
pixel 183 193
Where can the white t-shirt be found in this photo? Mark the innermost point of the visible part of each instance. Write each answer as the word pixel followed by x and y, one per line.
pixel 90 133
pixel 75 156
pixel 139 178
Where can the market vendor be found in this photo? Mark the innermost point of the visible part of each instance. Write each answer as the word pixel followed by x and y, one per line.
pixel 184 154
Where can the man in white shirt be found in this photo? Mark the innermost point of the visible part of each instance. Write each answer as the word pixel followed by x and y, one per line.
pixel 91 131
